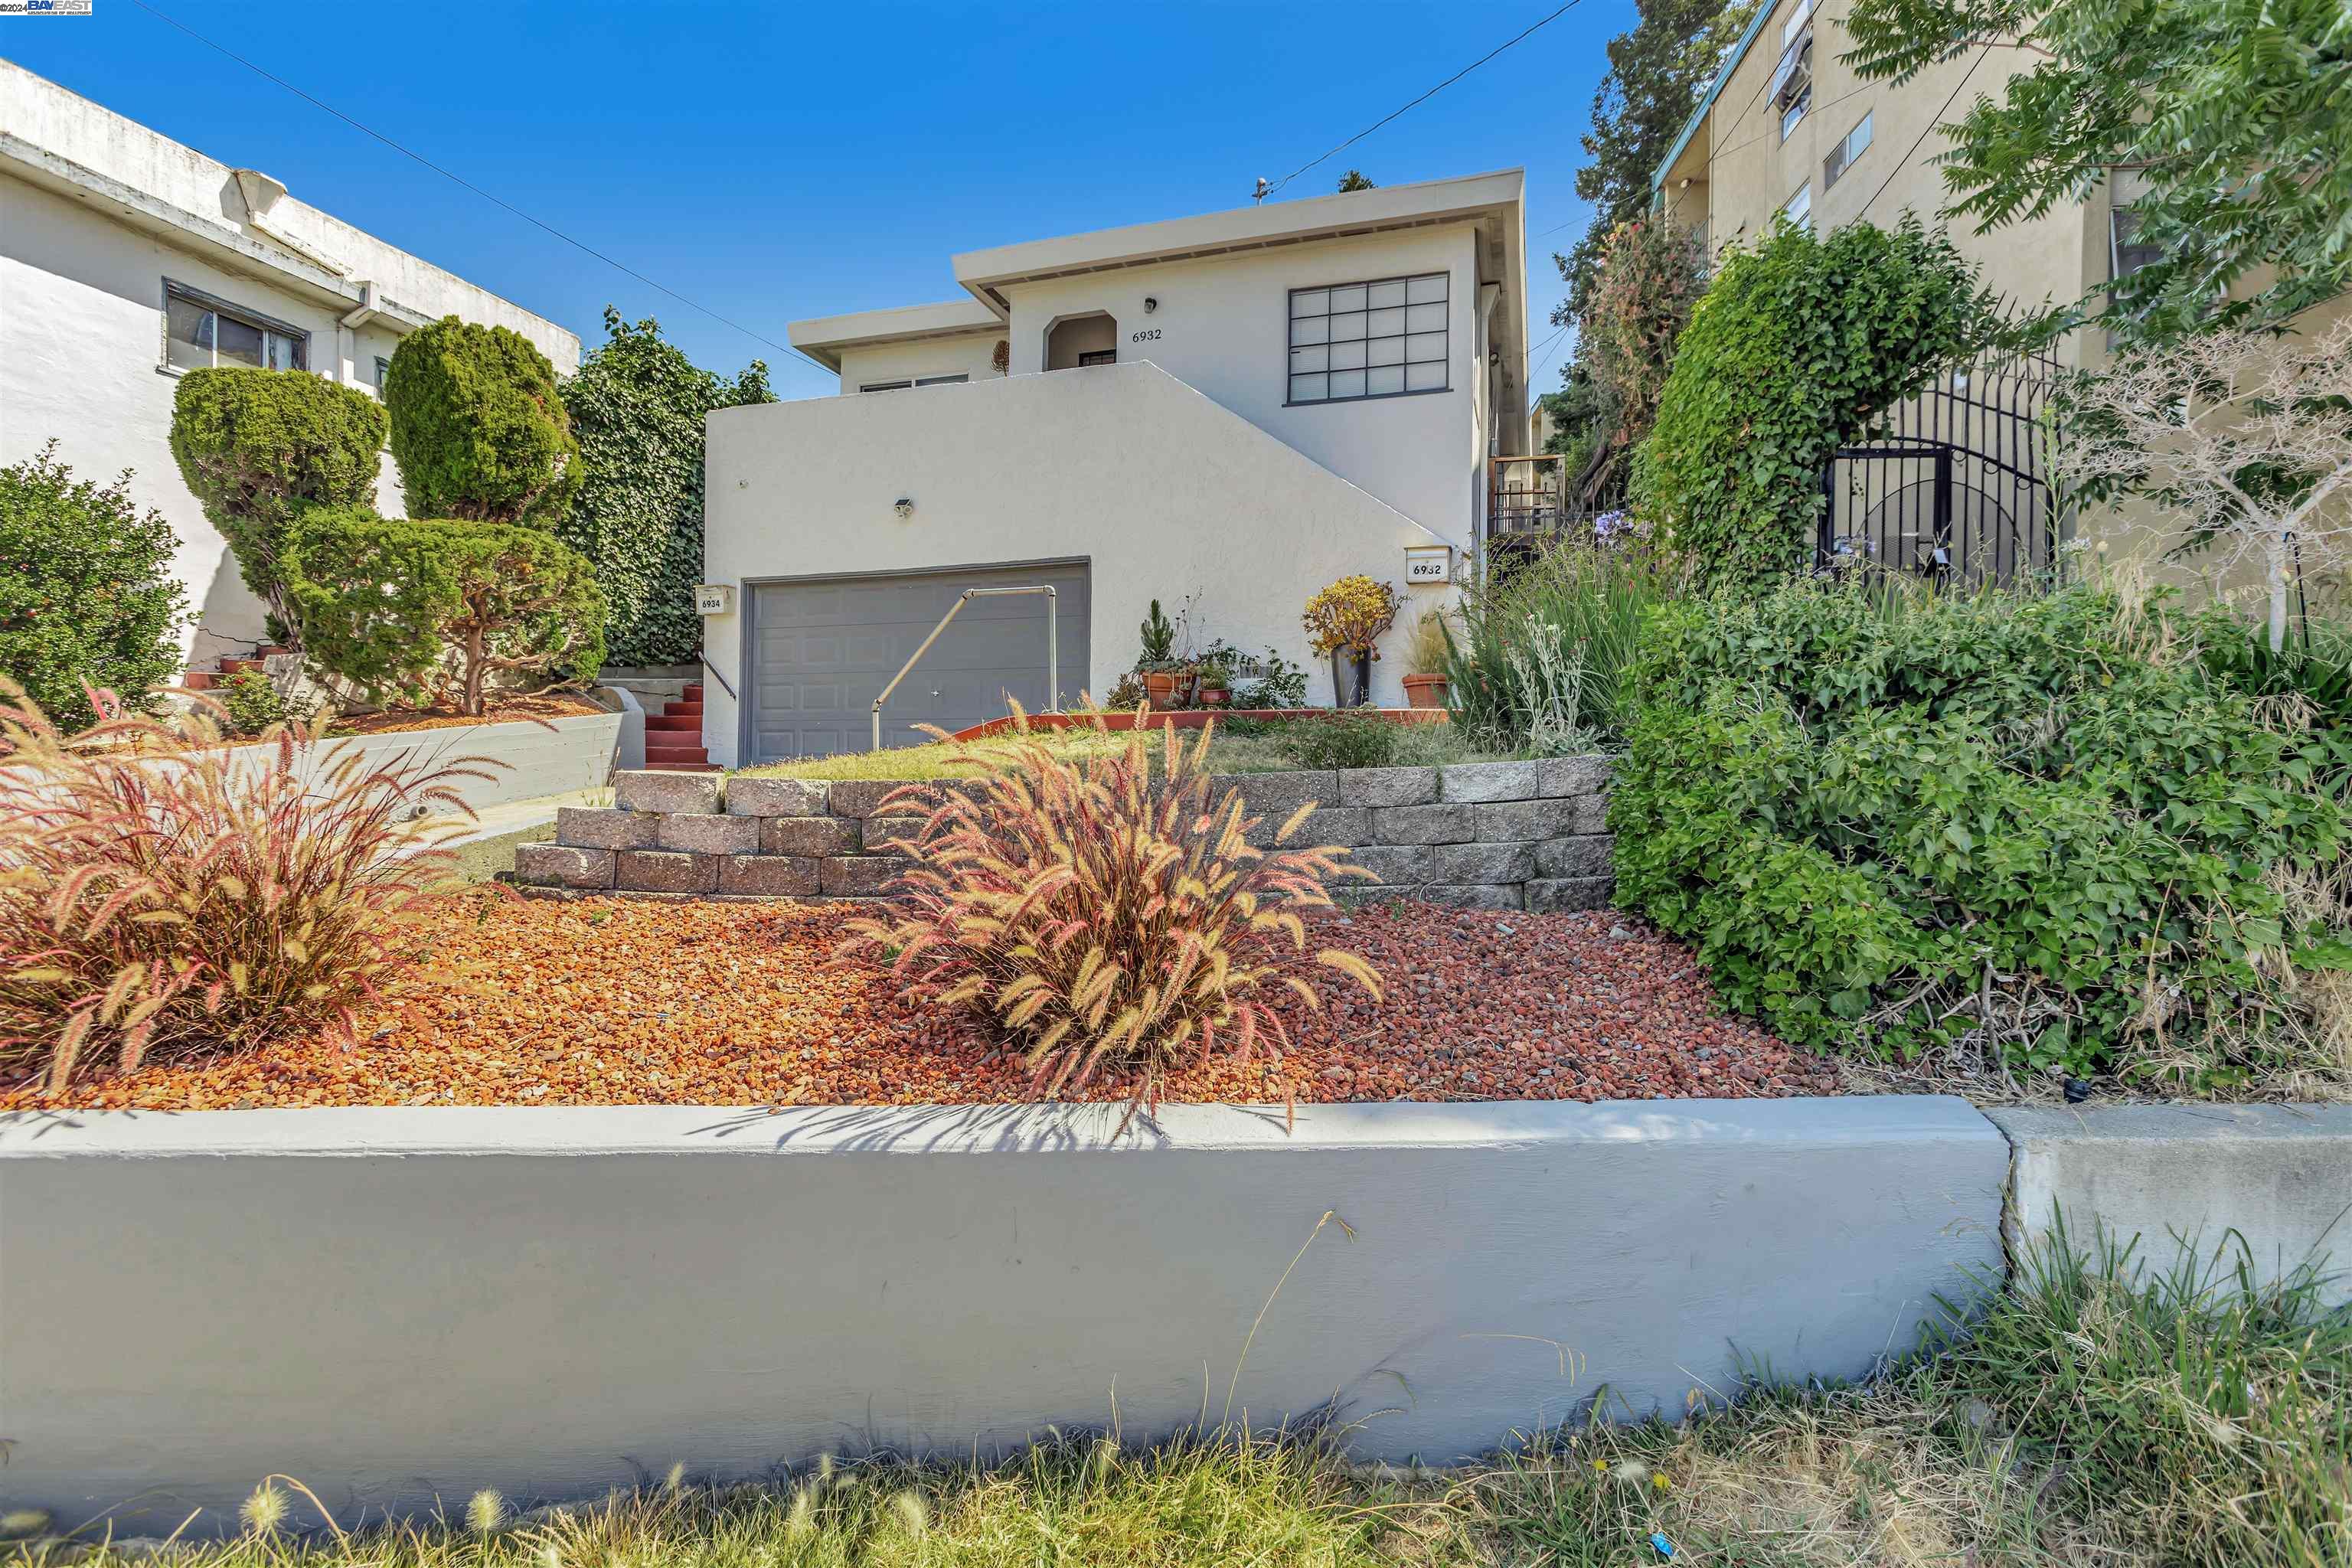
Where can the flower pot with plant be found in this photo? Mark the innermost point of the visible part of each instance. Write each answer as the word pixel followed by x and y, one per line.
pixel 1425 656
pixel 1216 685
pixel 1158 666
pixel 1346 621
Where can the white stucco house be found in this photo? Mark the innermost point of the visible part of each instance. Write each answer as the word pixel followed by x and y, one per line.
pixel 127 258
pixel 1234 409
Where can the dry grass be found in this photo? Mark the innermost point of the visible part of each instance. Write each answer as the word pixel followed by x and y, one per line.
pixel 1240 747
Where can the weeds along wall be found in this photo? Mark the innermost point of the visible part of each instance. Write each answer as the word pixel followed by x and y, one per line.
pixel 552 1300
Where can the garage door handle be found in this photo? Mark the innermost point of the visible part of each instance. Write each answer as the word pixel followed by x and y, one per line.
pixel 1053 647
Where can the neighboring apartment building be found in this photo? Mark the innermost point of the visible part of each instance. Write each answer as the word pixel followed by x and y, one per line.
pixel 1230 410
pixel 1787 127
pixel 127 258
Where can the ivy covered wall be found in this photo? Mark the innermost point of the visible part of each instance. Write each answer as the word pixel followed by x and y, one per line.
pixel 637 407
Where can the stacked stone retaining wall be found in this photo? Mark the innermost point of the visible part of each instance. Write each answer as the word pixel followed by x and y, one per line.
pixel 1521 834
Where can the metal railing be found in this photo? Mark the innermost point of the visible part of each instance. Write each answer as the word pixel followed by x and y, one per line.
pixel 1053 647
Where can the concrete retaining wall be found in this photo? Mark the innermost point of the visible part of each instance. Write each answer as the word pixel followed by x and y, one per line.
pixel 1527 835
pixel 540 758
pixel 401 1305
pixel 2280 1176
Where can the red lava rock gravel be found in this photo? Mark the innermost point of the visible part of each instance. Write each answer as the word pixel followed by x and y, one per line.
pixel 615 1002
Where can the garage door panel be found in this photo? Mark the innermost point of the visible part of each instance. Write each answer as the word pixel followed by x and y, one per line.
pixel 824 651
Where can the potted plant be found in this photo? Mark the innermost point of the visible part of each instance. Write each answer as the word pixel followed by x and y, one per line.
pixel 1157 667
pixel 1216 685
pixel 1425 656
pixel 1347 620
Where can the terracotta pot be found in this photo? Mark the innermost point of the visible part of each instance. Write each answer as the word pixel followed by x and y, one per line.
pixel 1214 697
pixel 1425 690
pixel 1160 689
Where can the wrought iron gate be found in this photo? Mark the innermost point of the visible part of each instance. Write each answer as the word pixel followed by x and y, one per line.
pixel 1953 485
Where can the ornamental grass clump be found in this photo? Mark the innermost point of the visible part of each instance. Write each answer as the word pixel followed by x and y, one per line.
pixel 1106 920
pixel 164 895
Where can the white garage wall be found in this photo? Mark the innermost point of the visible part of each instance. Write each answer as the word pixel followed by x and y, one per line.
pixel 1164 492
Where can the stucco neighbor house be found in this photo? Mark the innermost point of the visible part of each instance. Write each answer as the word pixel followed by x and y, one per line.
pixel 127 258
pixel 1233 410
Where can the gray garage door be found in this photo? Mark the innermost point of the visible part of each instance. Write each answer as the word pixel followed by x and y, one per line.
pixel 821 652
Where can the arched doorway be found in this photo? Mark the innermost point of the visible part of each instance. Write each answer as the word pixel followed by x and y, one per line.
pixel 1076 340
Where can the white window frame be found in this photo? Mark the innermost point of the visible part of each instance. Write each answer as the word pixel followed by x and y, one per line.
pixel 1309 336
pixel 901 385
pixel 268 325
pixel 1791 90
pixel 1799 208
pixel 1847 152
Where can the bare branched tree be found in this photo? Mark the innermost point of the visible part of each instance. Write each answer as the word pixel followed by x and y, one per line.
pixel 2244 441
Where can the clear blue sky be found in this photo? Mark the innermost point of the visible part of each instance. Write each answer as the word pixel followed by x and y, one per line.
pixel 774 161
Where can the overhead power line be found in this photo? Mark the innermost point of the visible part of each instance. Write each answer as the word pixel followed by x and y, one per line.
pixel 1417 102
pixel 581 246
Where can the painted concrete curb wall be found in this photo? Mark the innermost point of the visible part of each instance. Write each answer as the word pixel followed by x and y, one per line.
pixel 2279 1175
pixel 399 1304
pixel 577 752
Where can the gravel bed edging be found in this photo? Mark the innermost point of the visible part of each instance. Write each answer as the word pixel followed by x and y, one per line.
pixel 741 1287
pixel 1491 836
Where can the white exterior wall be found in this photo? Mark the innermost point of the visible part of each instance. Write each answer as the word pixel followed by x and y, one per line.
pixel 1164 491
pixel 98 211
pixel 971 353
pixel 1223 326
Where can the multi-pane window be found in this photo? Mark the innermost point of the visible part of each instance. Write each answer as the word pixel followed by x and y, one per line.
pixel 1854 143
pixel 1799 208
pixel 918 381
pixel 1379 339
pixel 200 331
pixel 1792 79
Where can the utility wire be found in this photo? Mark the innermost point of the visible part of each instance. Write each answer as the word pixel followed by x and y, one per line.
pixel 460 180
pixel 1416 104
pixel 1905 162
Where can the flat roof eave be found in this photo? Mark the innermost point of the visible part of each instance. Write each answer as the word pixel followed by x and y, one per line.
pixel 1463 198
pixel 823 337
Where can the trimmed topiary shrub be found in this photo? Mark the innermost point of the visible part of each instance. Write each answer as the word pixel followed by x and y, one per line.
pixel 259 447
pixel 2033 832
pixel 1798 344
pixel 479 428
pixel 86 595
pixel 434 611
pixel 637 407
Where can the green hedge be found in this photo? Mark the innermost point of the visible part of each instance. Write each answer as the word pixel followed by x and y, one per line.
pixel 259 447
pixel 1794 349
pixel 479 428
pixel 424 611
pixel 86 593
pixel 1886 822
pixel 637 407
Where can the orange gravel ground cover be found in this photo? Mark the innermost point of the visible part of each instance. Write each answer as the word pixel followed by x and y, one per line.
pixel 614 1002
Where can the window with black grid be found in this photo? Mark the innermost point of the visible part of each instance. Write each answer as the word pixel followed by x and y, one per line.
pixel 1379 339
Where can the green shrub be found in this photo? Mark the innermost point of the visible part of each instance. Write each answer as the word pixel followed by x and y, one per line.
pixel 259 447
pixel 416 610
pixel 250 704
pixel 1796 346
pixel 86 595
pixel 1911 824
pixel 1341 742
pixel 638 406
pixel 479 428
pixel 1545 642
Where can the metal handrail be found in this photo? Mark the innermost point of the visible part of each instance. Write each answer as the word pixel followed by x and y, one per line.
pixel 1053 646
pixel 723 680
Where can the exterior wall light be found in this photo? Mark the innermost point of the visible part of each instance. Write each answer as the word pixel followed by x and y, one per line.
pixel 1149 304
pixel 904 506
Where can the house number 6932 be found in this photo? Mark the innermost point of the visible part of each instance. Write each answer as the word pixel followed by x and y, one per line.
pixel 1148 335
